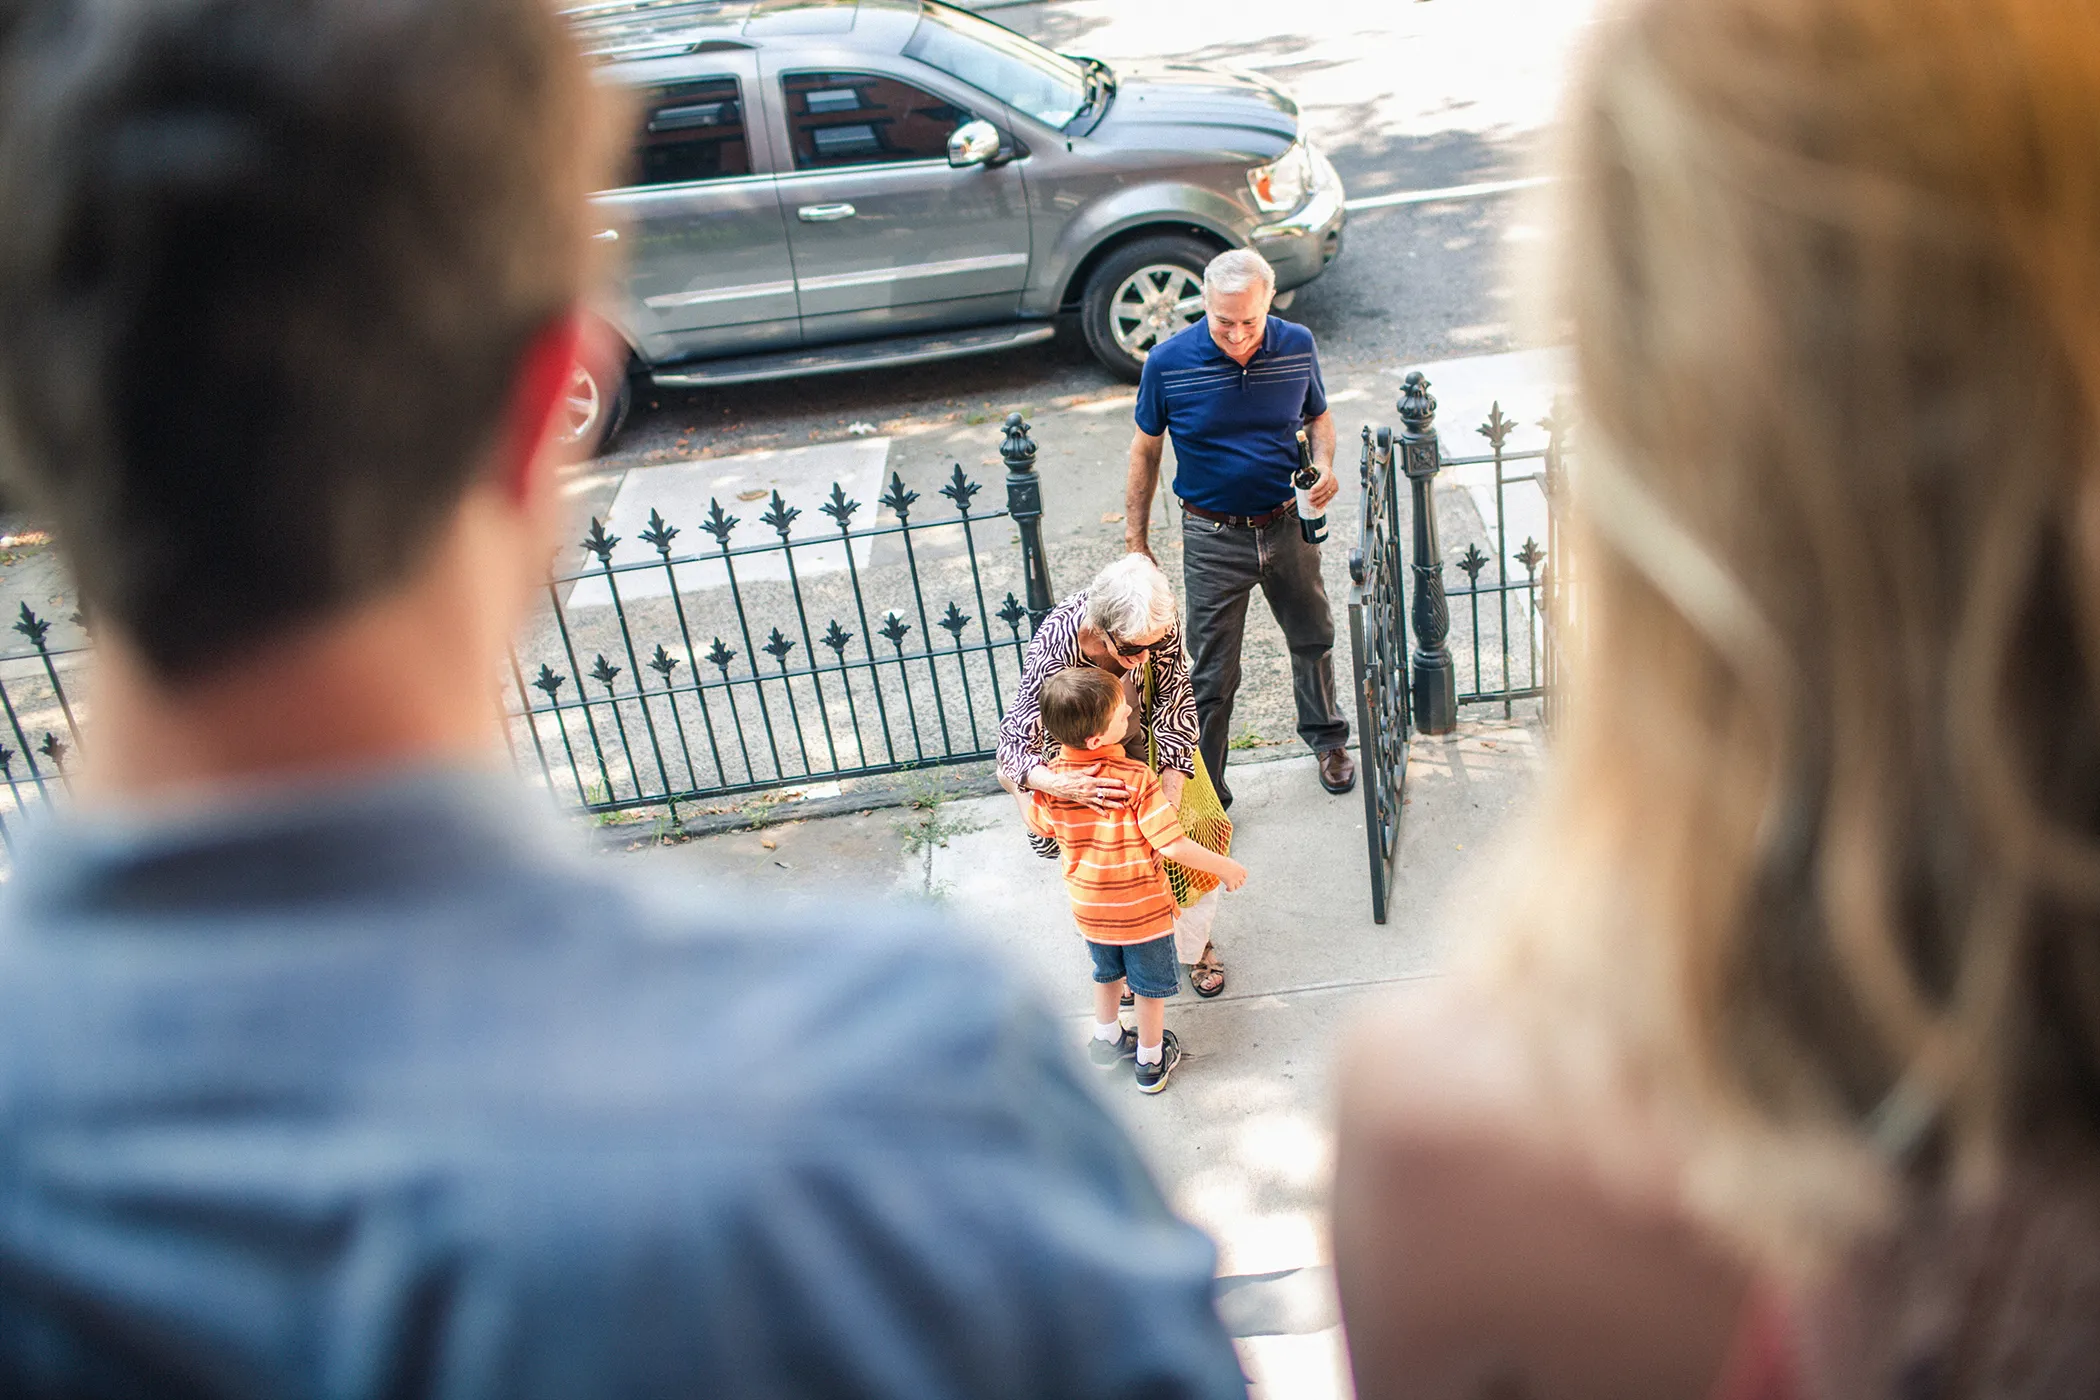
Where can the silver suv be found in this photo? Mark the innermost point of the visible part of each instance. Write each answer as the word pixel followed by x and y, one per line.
pixel 827 185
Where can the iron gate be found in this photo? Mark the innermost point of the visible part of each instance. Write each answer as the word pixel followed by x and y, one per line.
pixel 1507 649
pixel 1378 642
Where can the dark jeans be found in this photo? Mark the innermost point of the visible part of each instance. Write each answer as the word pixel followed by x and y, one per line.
pixel 1221 565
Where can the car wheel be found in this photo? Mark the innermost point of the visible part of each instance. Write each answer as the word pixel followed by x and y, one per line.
pixel 594 409
pixel 1139 296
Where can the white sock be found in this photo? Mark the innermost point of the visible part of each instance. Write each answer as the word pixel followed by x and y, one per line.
pixel 1151 1054
pixel 1108 1030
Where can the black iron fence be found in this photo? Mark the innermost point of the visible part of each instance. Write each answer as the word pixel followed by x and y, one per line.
pixel 1506 649
pixel 844 638
pixel 1491 643
pixel 39 733
pixel 816 641
pixel 802 646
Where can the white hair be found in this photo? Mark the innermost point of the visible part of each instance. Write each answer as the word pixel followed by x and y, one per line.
pixel 1237 269
pixel 1130 598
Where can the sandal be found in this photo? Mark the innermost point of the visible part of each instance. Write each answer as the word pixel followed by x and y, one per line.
pixel 1207 974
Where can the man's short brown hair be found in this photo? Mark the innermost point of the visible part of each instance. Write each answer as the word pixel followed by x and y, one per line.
pixel 1078 702
pixel 268 269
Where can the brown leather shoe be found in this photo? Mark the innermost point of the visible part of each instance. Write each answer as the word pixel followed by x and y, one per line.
pixel 1337 770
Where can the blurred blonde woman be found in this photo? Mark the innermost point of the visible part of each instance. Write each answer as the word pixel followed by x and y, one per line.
pixel 1785 1080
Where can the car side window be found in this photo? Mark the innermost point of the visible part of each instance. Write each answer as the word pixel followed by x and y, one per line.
pixel 692 131
pixel 840 119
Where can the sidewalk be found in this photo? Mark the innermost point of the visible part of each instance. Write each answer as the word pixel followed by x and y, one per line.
pixel 1241 1137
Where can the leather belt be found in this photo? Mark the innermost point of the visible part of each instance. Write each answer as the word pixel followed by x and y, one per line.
pixel 1244 522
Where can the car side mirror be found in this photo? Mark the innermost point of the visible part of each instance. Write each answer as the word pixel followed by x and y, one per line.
pixel 973 143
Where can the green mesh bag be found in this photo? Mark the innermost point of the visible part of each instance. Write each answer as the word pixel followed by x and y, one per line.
pixel 1202 815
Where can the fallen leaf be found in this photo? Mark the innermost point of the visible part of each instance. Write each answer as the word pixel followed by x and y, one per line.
pixel 1110 517
pixel 751 495
pixel 770 844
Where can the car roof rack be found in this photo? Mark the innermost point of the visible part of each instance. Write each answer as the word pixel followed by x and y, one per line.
pixel 615 31
pixel 591 11
pixel 664 48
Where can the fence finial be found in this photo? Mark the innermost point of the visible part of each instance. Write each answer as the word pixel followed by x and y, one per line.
pixel 1018 448
pixel 1417 405
pixel 1024 502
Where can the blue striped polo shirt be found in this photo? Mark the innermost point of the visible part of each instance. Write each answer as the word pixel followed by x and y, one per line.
pixel 1235 428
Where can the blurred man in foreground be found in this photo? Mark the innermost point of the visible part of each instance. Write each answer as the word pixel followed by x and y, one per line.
pixel 322 1069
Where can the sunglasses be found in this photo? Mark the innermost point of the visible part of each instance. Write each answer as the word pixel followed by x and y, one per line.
pixel 1129 651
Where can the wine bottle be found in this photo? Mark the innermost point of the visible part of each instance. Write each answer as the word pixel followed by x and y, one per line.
pixel 1311 523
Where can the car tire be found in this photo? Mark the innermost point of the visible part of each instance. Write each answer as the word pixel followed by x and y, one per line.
pixel 1139 295
pixel 594 408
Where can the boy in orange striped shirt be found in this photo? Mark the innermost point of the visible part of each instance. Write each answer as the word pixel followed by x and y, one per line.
pixel 1112 855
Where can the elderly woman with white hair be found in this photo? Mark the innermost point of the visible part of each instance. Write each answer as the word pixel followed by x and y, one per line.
pixel 1121 622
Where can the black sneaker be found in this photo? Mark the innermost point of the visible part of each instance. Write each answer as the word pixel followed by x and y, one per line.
pixel 1153 1078
pixel 1110 1053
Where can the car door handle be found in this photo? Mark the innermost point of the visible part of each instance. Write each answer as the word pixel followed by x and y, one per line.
pixel 824 213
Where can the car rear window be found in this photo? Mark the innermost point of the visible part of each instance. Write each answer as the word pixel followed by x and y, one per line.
pixel 839 119
pixel 692 131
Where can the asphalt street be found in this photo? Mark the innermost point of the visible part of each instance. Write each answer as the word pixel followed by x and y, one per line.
pixel 1429 94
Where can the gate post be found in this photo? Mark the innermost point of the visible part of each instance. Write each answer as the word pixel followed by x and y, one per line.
pixel 1024 502
pixel 1434 685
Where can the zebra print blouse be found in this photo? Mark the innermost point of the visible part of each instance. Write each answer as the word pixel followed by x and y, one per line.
pixel 1024 743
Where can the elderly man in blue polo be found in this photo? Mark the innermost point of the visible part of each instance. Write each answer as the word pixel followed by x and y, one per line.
pixel 1234 389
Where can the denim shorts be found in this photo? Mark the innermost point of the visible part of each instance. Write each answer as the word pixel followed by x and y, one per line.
pixel 1151 966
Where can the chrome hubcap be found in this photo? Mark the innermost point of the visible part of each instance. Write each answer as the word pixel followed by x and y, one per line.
pixel 580 406
pixel 1152 304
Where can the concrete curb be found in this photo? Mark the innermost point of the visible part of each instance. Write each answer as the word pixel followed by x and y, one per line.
pixel 842 797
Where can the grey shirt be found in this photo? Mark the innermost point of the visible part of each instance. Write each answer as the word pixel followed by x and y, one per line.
pixel 379 1092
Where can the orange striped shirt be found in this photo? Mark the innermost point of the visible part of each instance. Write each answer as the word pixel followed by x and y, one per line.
pixel 1111 859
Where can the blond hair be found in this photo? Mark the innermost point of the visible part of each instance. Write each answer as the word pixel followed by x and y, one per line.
pixel 1822 856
